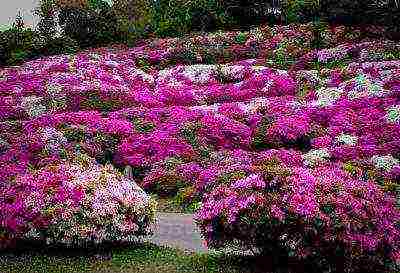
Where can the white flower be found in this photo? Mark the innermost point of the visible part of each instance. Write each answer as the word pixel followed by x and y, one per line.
pixel 55 90
pixel 213 108
pixel 4 145
pixel 327 96
pixel 175 83
pixel 233 71
pixel 32 233
pixel 365 87
pixel 386 162
pixel 102 204
pixel 199 73
pixel 255 104
pixel 259 68
pixel 138 72
pixel 310 75
pixel 32 105
pixel 166 73
pixel 95 56
pixel 324 55
pixel 53 139
pixel 347 139
pixel 313 157
pixel 393 114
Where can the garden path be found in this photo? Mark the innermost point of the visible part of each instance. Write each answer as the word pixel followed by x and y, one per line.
pixel 178 230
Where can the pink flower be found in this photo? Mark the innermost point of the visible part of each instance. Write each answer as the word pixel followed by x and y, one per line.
pixel 276 212
pixel 321 142
pixel 304 204
pixel 252 181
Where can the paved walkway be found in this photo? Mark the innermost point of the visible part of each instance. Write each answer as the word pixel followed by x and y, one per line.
pixel 178 230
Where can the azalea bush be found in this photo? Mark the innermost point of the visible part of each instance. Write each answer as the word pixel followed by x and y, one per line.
pixel 74 204
pixel 280 206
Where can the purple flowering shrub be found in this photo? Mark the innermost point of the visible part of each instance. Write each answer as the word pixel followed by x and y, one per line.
pixel 75 203
pixel 304 212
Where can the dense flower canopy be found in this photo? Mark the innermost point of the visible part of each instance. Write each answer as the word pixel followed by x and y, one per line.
pixel 315 147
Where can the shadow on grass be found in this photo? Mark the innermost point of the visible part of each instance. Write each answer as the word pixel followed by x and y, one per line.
pixel 132 257
pixel 126 257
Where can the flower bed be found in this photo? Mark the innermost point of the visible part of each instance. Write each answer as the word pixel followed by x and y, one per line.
pixel 301 156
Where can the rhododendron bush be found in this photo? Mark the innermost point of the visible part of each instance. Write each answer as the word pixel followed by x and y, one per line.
pixel 70 203
pixel 277 203
pixel 300 154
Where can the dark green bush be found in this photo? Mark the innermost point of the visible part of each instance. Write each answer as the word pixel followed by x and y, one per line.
pixel 17 45
pixel 47 24
pixel 90 27
pixel 135 15
pixel 175 17
pixel 246 13
pixel 60 45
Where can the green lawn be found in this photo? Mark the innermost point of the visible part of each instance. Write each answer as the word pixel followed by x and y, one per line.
pixel 146 258
pixel 169 204
pixel 4 27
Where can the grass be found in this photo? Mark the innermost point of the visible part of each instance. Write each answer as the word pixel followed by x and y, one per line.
pixel 168 204
pixel 129 258
pixel 172 205
pixel 4 27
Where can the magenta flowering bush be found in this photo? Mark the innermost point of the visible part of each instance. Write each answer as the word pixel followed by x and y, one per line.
pixel 74 203
pixel 308 213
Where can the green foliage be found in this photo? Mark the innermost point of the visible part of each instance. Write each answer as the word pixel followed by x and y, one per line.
pixel 142 126
pixel 47 24
pixel 175 18
pixel 241 38
pixel 92 27
pixel 300 10
pixel 60 45
pixel 318 28
pixel 17 45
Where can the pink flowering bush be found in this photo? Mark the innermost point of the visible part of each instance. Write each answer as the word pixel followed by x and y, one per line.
pixel 287 207
pixel 74 203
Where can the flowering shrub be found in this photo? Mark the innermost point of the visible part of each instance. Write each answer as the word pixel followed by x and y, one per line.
pixel 72 203
pixel 304 213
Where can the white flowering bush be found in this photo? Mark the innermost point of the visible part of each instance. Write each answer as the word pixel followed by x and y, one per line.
pixel 347 139
pixel 385 162
pixel 327 96
pixel 76 203
pixel 33 106
pixel 316 157
pixel 393 114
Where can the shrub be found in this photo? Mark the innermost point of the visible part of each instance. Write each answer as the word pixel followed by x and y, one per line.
pixel 60 45
pixel 93 26
pixel 17 45
pixel 136 12
pixel 174 18
pixel 246 13
pixel 337 221
pixel 57 205
pixel 47 25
